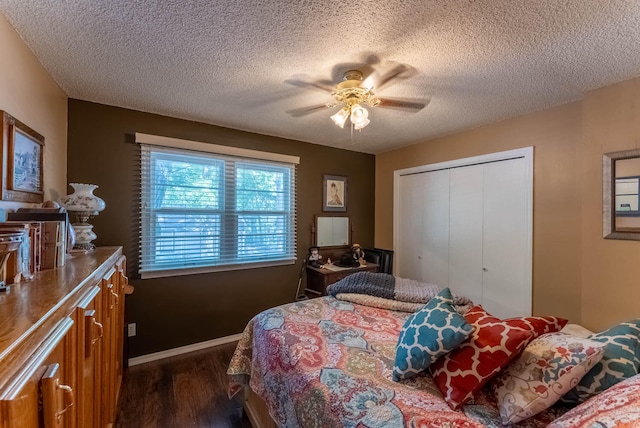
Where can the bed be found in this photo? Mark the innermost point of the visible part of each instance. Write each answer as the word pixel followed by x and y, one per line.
pixel 328 362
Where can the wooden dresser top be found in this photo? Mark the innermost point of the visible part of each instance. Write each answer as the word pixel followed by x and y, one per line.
pixel 30 304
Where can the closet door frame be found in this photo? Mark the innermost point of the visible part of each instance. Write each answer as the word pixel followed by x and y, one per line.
pixel 526 153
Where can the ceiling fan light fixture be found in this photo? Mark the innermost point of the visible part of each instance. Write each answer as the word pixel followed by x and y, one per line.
pixel 361 125
pixel 354 92
pixel 341 117
pixel 359 115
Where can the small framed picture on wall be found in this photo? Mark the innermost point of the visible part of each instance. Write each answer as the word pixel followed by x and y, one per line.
pixel 334 193
pixel 22 147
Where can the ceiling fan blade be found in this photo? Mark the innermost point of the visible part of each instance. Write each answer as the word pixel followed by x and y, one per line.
pixel 299 112
pixel 385 78
pixel 307 84
pixel 403 104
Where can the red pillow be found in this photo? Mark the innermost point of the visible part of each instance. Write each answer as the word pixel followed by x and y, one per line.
pixel 493 343
pixel 538 325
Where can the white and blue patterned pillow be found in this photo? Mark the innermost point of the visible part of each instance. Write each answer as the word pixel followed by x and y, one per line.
pixel 621 360
pixel 433 331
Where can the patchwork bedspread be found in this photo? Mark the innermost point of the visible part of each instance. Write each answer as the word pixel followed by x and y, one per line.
pixel 328 363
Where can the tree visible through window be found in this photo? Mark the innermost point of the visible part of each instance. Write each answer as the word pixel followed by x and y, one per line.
pixel 201 209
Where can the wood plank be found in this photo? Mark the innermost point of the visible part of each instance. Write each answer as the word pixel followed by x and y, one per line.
pixel 185 390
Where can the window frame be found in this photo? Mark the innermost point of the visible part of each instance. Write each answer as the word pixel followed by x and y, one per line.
pixel 233 159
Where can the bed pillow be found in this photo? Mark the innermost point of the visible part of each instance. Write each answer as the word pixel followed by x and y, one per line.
pixel 493 343
pixel 618 406
pixel 544 372
pixel 621 360
pixel 576 330
pixel 538 325
pixel 433 331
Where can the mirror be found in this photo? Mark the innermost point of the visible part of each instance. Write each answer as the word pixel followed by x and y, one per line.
pixel 621 195
pixel 332 231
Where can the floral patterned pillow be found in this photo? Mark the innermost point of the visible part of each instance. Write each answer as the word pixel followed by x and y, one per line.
pixel 433 331
pixel 548 367
pixel 576 330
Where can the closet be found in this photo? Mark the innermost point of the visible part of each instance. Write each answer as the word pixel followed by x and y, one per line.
pixel 467 225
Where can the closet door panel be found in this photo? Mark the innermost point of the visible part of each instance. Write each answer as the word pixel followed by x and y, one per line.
pixel 435 228
pixel 465 236
pixel 506 288
pixel 423 227
pixel 409 227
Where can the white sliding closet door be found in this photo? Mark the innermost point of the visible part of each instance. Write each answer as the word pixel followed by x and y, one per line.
pixel 410 200
pixel 467 225
pixel 465 245
pixel 435 228
pixel 506 288
pixel 422 252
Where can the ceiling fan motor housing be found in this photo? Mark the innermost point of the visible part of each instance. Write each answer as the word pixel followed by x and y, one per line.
pixel 353 75
pixel 350 91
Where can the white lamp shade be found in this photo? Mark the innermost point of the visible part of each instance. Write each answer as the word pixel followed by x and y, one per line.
pixel 341 117
pixel 359 116
pixel 362 125
pixel 82 199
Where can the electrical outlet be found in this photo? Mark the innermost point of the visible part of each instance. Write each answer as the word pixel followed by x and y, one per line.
pixel 131 329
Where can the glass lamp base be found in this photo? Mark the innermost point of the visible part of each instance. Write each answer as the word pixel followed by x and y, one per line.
pixel 84 247
pixel 84 236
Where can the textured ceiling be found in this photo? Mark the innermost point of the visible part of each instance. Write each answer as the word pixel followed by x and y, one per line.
pixel 227 62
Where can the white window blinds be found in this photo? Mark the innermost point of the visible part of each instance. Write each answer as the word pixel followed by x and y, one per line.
pixel 203 212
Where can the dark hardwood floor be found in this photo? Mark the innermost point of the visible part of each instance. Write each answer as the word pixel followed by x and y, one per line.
pixel 188 390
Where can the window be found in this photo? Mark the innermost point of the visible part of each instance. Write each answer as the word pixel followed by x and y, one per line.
pixel 208 211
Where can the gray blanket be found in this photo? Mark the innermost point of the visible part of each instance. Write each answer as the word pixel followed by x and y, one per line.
pixel 371 283
pixel 390 287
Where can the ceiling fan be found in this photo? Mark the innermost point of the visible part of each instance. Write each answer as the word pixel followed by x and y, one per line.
pixel 353 93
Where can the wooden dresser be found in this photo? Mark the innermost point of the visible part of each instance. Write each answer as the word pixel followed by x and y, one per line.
pixel 61 344
pixel 319 278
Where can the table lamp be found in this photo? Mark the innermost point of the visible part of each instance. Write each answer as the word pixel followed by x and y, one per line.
pixel 84 204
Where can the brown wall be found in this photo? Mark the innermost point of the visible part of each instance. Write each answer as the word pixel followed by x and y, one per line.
pixel 28 93
pixel 555 135
pixel 577 273
pixel 610 268
pixel 173 312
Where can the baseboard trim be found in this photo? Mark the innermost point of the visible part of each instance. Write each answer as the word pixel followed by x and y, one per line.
pixel 183 350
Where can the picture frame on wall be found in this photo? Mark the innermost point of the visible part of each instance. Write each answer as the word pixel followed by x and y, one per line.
pixel 334 194
pixel 22 151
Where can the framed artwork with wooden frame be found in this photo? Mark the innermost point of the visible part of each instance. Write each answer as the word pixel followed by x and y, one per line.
pixel 334 193
pixel 22 154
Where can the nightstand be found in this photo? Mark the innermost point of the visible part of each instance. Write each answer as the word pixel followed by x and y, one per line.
pixel 319 278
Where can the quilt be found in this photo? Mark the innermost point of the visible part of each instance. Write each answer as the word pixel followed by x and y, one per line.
pixel 618 406
pixel 402 294
pixel 326 362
